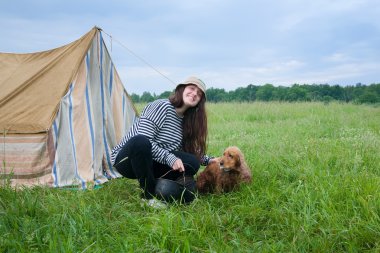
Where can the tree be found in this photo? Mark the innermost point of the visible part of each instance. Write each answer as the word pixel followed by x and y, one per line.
pixel 316 92
pixel 337 92
pixel 215 95
pixel 146 97
pixel 265 93
pixel 371 94
pixel 135 98
pixel 165 94
pixel 348 93
pixel 296 93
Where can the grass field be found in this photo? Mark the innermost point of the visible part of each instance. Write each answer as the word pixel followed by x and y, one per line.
pixel 316 188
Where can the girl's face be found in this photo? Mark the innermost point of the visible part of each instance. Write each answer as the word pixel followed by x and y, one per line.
pixel 192 95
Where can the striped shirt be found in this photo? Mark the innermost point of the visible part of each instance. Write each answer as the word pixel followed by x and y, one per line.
pixel 160 123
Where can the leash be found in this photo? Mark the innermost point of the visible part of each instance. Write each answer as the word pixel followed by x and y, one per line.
pixel 183 173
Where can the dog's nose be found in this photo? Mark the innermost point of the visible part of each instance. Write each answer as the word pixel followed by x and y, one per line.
pixel 221 163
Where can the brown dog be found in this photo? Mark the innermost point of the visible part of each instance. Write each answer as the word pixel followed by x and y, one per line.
pixel 224 175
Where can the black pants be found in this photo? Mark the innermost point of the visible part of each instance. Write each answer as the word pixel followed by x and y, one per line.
pixel 135 161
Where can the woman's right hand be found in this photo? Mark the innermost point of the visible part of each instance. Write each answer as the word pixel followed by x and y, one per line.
pixel 178 165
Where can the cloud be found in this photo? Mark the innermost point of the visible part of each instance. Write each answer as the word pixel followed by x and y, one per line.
pixel 226 43
pixel 337 57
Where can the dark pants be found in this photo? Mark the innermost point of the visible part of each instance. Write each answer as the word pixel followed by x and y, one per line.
pixel 135 161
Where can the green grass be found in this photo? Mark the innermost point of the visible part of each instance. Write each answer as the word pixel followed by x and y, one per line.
pixel 316 188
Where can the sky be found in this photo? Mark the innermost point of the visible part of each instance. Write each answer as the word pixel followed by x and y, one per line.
pixel 156 44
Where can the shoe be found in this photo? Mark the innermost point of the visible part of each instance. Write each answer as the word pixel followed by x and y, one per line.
pixel 155 203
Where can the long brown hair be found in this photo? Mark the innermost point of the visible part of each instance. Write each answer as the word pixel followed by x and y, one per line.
pixel 194 123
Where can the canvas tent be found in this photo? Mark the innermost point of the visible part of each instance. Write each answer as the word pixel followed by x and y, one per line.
pixel 61 112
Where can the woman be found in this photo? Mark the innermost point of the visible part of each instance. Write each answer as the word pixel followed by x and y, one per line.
pixel 167 140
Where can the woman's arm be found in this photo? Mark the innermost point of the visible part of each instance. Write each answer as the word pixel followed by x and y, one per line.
pixel 161 155
pixel 151 124
pixel 207 159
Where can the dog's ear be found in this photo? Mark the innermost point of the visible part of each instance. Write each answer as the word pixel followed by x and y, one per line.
pixel 238 160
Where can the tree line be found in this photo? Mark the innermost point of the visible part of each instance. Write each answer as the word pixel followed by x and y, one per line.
pixel 358 93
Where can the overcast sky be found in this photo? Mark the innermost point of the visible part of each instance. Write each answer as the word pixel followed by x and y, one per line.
pixel 227 43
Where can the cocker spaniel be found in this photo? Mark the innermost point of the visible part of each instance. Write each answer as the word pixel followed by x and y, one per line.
pixel 225 174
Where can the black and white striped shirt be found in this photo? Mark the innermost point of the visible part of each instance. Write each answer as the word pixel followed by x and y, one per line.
pixel 160 123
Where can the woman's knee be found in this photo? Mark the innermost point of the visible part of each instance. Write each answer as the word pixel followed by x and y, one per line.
pixel 193 165
pixel 140 143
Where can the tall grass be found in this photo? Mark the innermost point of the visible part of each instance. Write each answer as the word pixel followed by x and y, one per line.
pixel 316 188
